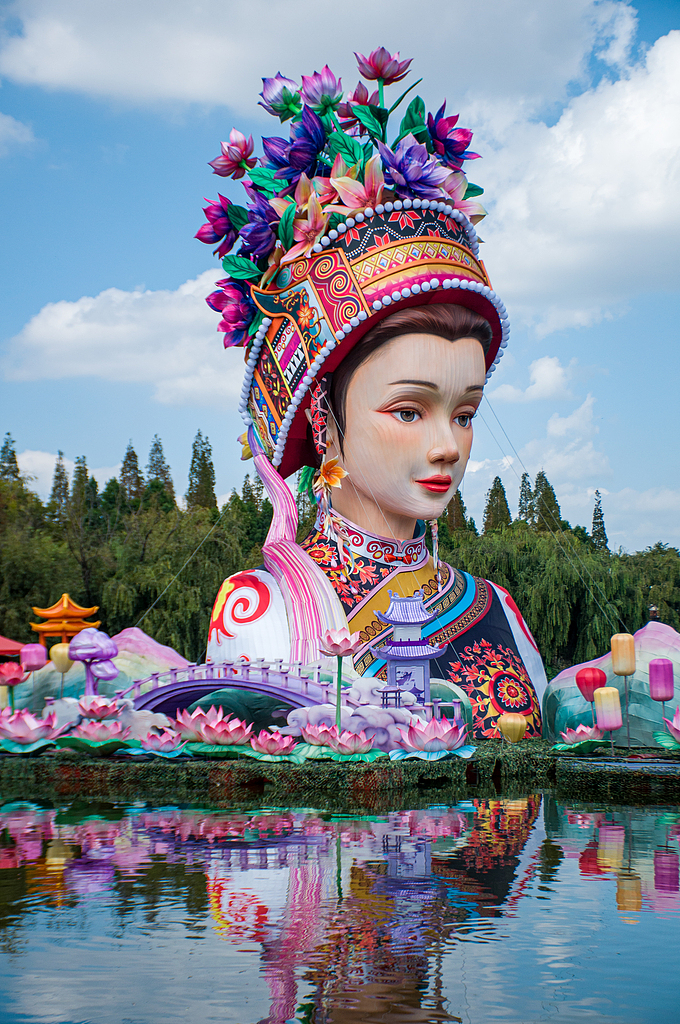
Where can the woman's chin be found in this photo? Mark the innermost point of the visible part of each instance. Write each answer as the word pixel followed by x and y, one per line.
pixel 430 506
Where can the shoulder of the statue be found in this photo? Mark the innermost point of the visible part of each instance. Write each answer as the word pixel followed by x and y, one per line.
pixel 249 619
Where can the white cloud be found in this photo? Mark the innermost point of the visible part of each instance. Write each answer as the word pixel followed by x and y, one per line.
pixel 549 379
pixel 588 210
pixel 216 52
pixel 579 422
pixel 164 338
pixel 12 134
pixel 633 519
pixel 39 466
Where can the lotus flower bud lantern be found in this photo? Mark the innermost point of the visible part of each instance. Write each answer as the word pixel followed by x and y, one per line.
pixel 608 710
pixel 588 680
pixel 32 657
pixel 623 664
pixel 512 726
pixel 661 686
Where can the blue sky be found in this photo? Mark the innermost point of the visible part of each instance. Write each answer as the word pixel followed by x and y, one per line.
pixel 109 114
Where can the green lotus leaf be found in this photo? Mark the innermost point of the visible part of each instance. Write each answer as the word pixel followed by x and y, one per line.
pixel 664 739
pixel 103 748
pixel 24 748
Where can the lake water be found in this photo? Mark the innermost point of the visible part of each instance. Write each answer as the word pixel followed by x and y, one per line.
pixel 518 911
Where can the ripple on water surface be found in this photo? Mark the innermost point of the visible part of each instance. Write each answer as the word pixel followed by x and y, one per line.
pixel 517 911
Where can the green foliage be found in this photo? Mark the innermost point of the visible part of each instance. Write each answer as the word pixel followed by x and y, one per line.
pixel 525 509
pixel 545 507
pixel 238 215
pixel 286 225
pixel 240 268
pixel 598 533
pixel 9 467
pixel 497 512
pixel 413 122
pixel 265 181
pixel 201 490
pixel 346 146
pixel 131 479
pixel 158 469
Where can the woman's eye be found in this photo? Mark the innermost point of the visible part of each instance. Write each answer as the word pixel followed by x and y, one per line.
pixel 464 420
pixel 407 415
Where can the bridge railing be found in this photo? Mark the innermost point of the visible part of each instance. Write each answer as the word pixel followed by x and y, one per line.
pixel 271 673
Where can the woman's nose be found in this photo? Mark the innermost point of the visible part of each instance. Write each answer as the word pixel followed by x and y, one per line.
pixel 444 449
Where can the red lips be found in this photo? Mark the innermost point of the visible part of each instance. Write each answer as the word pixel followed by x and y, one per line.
pixel 438 484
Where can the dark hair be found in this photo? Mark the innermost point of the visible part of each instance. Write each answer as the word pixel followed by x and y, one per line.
pixel 444 320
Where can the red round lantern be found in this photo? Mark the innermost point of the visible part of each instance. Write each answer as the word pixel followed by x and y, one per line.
pixel 590 679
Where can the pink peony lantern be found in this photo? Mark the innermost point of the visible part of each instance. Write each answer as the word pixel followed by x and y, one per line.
pixel 588 680
pixel 608 710
pixel 661 681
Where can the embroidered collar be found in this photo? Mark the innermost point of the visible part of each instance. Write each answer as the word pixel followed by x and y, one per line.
pixel 391 553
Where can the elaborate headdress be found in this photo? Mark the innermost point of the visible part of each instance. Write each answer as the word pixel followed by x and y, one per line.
pixel 341 229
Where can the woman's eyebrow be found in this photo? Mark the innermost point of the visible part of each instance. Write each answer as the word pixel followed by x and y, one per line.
pixel 435 387
pixel 421 383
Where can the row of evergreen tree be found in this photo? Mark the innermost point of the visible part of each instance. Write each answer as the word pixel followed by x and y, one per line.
pixel 134 552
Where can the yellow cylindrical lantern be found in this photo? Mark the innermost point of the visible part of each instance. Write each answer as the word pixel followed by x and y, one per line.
pixel 59 657
pixel 623 654
pixel 629 891
pixel 608 708
pixel 512 726
pixel 610 846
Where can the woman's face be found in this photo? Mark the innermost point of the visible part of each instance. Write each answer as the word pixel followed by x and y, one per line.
pixel 409 412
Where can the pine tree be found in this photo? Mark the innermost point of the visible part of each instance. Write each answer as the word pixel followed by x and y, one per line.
pixel 59 496
pixel 546 507
pixel 157 468
pixel 525 511
pixel 456 513
pixel 201 490
pixel 598 533
pixel 131 480
pixel 9 467
pixel 497 511
pixel 79 486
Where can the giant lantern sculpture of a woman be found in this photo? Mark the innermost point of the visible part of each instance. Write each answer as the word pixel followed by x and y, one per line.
pixel 370 328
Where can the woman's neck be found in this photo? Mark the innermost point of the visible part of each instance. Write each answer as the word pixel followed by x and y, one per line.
pixel 367 515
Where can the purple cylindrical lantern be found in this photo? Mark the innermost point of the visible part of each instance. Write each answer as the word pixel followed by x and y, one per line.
pixel 666 871
pixel 661 679
pixel 32 657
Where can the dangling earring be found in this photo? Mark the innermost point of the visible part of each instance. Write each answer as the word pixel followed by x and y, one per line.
pixel 434 527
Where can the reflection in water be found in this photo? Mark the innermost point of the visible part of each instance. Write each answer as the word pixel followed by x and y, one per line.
pixel 398 917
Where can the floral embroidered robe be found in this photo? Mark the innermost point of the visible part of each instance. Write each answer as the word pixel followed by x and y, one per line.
pixel 490 652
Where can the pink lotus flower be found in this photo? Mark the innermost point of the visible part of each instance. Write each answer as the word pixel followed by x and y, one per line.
pixel 100 732
pixel 322 91
pixel 272 743
pixel 11 674
pixel 307 232
pixel 190 726
pixel 437 734
pixel 236 156
pixel 361 98
pixel 98 707
pixel 674 726
pixel 226 733
pixel 23 727
pixel 357 196
pixel 380 64
pixel 581 734
pixel 455 186
pixel 163 743
pixel 349 742
pixel 317 735
pixel 338 643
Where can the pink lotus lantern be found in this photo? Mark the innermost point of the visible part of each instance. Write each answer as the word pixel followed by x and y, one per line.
pixel 661 681
pixel 339 643
pixel 33 657
pixel 666 871
pixel 608 710
pixel 10 675
pixel 588 680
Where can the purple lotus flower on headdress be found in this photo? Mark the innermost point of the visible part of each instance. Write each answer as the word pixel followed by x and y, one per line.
pixel 322 91
pixel 291 159
pixel 359 96
pixel 257 234
pixel 236 156
pixel 219 226
pixel 412 171
pixel 450 142
pixel 233 301
pixel 280 97
pixel 381 64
